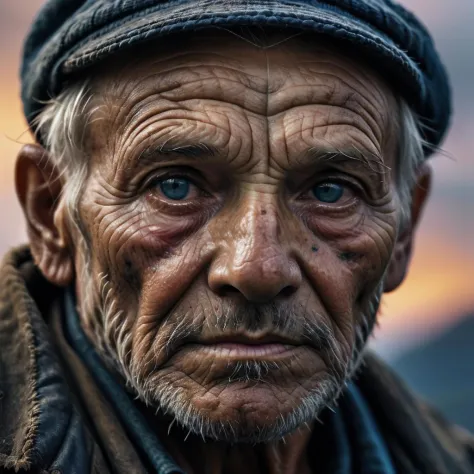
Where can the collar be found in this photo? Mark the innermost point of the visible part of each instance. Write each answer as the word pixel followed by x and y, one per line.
pixel 39 427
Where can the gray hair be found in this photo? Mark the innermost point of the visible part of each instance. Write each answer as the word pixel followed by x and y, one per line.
pixel 64 122
pixel 62 126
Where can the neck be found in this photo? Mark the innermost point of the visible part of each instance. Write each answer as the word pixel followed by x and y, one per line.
pixel 196 455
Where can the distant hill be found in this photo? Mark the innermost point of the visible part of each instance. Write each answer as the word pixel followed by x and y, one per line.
pixel 442 371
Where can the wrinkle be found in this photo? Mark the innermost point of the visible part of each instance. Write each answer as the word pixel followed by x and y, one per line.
pixel 175 252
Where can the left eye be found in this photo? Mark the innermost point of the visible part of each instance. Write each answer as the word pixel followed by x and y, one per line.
pixel 175 188
pixel 328 192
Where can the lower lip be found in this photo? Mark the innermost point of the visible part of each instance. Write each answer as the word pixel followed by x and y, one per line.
pixel 246 351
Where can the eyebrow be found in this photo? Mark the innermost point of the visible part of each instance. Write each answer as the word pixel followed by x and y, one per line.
pixel 198 151
pixel 202 151
pixel 372 161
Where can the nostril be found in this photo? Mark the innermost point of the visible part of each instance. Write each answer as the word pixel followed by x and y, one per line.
pixel 287 291
pixel 230 290
pixel 226 290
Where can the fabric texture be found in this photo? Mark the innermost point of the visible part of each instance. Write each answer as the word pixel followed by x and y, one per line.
pixel 38 368
pixel 367 442
pixel 69 36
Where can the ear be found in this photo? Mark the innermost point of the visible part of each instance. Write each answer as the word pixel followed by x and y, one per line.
pixel 403 247
pixel 39 187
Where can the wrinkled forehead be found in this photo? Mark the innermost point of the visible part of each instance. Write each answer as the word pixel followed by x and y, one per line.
pixel 265 73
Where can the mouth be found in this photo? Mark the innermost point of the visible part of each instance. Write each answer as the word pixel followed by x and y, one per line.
pixel 246 351
pixel 244 348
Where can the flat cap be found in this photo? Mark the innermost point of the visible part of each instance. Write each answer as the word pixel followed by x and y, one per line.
pixel 68 36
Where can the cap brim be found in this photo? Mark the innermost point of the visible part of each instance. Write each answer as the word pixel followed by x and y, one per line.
pixel 184 16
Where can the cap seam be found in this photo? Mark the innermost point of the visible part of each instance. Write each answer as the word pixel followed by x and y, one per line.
pixel 149 10
pixel 150 26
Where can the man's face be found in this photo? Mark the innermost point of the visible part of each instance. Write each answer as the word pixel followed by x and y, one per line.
pixel 240 213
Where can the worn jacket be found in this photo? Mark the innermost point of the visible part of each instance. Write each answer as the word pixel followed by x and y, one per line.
pixel 54 419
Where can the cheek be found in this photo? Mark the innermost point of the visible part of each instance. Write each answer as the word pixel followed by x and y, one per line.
pixel 351 260
pixel 358 246
pixel 147 256
pixel 151 263
pixel 131 240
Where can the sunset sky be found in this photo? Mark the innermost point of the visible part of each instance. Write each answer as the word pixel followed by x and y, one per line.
pixel 439 288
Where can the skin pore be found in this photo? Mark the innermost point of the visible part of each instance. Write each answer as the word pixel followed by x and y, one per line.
pixel 240 218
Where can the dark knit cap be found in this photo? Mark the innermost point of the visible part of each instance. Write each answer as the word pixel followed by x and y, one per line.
pixel 68 36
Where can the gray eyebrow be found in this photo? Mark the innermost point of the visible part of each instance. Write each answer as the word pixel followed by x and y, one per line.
pixel 203 151
pixel 372 161
pixel 194 150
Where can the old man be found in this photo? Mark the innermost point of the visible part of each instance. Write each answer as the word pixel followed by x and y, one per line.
pixel 218 195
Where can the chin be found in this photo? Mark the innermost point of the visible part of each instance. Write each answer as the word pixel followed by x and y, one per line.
pixel 251 411
pixel 240 400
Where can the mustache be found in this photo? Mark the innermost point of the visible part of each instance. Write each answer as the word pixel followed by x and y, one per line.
pixel 288 320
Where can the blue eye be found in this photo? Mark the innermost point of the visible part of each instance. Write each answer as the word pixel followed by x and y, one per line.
pixel 328 192
pixel 175 188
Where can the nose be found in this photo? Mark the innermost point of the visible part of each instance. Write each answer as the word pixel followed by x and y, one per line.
pixel 255 258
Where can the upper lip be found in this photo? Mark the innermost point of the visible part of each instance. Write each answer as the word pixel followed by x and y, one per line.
pixel 248 340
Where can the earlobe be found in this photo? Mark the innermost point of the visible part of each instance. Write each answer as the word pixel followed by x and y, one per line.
pixel 39 188
pixel 399 261
pixel 403 247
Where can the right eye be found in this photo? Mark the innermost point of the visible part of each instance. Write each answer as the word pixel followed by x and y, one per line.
pixel 328 192
pixel 175 189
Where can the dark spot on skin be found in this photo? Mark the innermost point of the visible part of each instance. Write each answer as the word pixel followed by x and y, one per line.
pixel 348 256
pixel 263 212
pixel 130 274
pixel 314 248
pixel 128 268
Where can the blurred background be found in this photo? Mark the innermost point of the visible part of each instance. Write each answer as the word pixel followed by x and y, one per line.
pixel 426 328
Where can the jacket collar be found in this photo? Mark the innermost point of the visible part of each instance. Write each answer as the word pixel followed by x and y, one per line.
pixel 47 430
pixel 420 439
